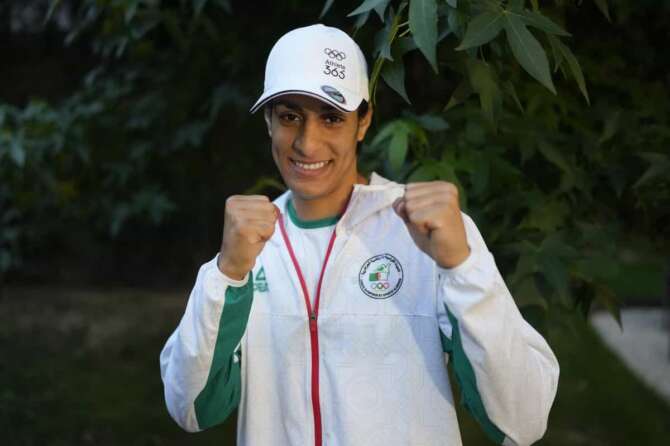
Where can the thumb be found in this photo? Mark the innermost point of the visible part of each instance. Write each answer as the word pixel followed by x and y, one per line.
pixel 399 208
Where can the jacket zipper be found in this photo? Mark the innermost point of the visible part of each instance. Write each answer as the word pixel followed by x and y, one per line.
pixel 313 315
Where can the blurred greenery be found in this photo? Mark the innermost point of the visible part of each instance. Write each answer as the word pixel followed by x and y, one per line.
pixel 124 125
pixel 81 368
pixel 562 160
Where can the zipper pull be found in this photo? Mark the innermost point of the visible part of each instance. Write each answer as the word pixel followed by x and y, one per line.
pixel 312 321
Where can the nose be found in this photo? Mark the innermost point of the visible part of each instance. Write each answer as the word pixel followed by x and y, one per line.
pixel 308 140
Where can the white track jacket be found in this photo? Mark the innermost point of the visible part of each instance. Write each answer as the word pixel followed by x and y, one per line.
pixel 366 364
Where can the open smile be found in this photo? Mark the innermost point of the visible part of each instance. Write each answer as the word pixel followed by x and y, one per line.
pixel 310 168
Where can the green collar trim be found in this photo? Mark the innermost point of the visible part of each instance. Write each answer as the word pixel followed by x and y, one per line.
pixel 310 224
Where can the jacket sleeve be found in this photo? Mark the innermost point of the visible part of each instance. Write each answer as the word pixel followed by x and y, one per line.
pixel 507 373
pixel 200 362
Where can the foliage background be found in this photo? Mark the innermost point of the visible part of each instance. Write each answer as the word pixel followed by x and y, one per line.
pixel 124 125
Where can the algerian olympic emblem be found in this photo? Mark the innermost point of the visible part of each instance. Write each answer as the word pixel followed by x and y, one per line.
pixel 381 276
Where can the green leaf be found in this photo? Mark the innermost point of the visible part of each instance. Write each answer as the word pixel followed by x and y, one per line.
pixel 573 64
pixel 456 21
pixel 428 170
pixel 384 133
pixel 608 299
pixel 380 9
pixel 366 6
pixel 405 45
pixel 361 20
pixel 460 94
pixel 515 5
pixel 423 25
pixel 383 43
pixel 398 149
pixel 597 267
pixel 510 89
pixel 554 270
pixel 326 7
pixel 659 166
pixel 526 293
pixel 528 51
pixel 612 125
pixel 548 217
pixel 554 156
pixel 393 74
pixel 483 82
pixel 537 20
pixel 604 8
pixel 482 29
pixel 432 123
pixel 198 6
pixel 481 174
pixel 17 152
pixel 53 5
pixel 556 52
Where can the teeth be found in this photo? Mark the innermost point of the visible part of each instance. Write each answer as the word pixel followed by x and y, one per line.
pixel 311 166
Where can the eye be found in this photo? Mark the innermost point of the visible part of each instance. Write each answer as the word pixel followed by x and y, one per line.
pixel 289 117
pixel 333 119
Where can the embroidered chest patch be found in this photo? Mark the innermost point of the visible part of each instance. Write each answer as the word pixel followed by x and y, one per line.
pixel 381 276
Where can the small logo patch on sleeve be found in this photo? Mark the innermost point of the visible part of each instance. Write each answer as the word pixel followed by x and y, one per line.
pixel 260 282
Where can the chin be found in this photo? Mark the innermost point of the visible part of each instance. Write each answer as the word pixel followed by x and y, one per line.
pixel 307 192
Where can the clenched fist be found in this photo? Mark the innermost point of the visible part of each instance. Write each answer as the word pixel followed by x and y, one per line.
pixel 248 223
pixel 432 214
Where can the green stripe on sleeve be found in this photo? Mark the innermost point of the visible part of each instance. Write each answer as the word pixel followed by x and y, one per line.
pixel 221 394
pixel 465 376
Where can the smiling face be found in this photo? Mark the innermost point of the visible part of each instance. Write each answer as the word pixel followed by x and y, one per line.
pixel 314 147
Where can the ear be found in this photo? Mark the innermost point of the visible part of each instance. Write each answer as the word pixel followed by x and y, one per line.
pixel 267 114
pixel 364 124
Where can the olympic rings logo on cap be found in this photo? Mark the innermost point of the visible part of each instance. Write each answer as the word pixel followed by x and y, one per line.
pixel 335 54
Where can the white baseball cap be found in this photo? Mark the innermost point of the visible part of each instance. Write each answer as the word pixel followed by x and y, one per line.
pixel 318 61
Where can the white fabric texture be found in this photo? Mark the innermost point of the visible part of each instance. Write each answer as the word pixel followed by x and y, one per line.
pixel 309 245
pixel 382 370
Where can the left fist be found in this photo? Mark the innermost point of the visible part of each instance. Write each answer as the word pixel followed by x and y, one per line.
pixel 432 214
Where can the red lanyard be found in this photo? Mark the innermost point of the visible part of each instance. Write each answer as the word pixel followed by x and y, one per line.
pixel 313 313
pixel 313 316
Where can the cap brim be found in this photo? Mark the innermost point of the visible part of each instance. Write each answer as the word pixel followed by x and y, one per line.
pixel 352 101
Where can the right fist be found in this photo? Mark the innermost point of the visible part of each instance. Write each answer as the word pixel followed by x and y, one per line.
pixel 249 222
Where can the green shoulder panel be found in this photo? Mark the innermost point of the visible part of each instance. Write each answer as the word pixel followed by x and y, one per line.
pixel 221 394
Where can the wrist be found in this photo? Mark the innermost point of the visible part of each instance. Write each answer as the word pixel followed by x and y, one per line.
pixel 229 270
pixel 454 260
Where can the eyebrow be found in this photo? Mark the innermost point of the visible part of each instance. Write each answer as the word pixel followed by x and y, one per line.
pixel 296 107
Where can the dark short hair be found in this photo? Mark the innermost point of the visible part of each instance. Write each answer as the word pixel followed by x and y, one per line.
pixel 362 109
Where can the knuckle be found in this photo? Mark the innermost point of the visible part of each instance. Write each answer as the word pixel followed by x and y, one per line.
pixel 410 206
pixel 232 199
pixel 232 203
pixel 450 187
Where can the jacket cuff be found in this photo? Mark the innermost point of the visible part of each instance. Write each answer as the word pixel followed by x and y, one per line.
pixel 467 284
pixel 218 279
pixel 462 268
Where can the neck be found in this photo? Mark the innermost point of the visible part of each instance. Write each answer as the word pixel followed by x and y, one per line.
pixel 326 207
